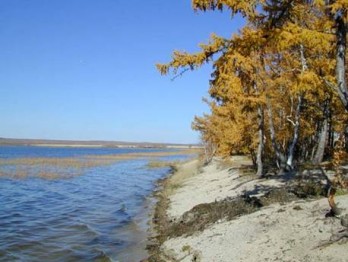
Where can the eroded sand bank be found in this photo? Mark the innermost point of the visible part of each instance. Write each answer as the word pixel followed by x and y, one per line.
pixel 293 231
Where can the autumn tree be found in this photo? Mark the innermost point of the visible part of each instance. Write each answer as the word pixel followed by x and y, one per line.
pixel 278 90
pixel 276 84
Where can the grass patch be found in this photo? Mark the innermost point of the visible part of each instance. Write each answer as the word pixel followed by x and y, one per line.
pixel 161 164
pixel 341 192
pixel 45 172
pixel 173 187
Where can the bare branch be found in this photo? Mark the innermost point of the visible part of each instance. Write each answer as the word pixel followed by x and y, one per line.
pixel 180 74
pixel 292 122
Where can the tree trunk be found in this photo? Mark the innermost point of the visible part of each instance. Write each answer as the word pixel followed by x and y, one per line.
pixel 280 156
pixel 341 42
pixel 296 124
pixel 260 147
pixel 346 138
pixel 209 150
pixel 292 146
pixel 331 135
pixel 319 154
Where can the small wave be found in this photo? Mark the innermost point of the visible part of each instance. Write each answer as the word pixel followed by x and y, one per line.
pixel 82 228
pixel 99 255
pixel 105 240
pixel 122 213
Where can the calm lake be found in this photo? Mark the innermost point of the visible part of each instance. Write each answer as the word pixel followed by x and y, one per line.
pixel 98 215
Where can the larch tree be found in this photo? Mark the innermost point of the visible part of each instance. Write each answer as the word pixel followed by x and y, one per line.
pixel 279 87
pixel 276 84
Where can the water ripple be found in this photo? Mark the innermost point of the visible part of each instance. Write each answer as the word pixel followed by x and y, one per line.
pixel 84 218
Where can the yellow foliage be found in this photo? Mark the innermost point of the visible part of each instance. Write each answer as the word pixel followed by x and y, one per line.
pixel 339 5
pixel 182 59
pixel 284 56
pixel 246 8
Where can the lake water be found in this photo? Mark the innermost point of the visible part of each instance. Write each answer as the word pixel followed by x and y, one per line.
pixel 95 216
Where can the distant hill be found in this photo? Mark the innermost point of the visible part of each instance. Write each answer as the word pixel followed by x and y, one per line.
pixel 92 143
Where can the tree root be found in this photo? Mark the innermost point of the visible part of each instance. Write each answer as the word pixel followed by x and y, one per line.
pixel 343 234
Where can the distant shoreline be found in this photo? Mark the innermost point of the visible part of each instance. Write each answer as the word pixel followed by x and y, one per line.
pixel 91 144
pixel 64 145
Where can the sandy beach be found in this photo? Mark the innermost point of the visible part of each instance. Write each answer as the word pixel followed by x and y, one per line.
pixel 281 228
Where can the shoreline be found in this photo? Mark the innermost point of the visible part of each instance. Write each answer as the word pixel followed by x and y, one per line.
pixel 218 211
pixel 139 226
pixel 159 219
pixel 94 143
pixel 142 226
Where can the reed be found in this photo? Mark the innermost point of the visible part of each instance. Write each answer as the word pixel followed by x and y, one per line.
pixel 153 164
pixel 55 168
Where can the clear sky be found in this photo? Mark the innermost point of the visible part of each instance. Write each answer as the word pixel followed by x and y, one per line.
pixel 85 69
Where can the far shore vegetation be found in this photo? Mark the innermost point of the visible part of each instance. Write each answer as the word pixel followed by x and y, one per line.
pixel 92 144
pixel 65 167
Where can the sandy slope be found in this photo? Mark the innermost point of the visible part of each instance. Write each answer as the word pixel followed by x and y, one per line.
pixel 291 232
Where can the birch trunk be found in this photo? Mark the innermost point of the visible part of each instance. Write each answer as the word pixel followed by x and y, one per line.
pixel 260 147
pixel 319 154
pixel 341 35
pixel 280 156
pixel 292 146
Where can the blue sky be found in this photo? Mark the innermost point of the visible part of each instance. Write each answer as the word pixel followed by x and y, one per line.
pixel 85 70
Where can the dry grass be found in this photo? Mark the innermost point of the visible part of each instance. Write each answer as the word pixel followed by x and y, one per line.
pixel 54 168
pixel 127 156
pixel 153 164
pixel 46 172
pixel 182 173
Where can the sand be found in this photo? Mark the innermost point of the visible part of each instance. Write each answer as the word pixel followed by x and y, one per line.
pixel 295 231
